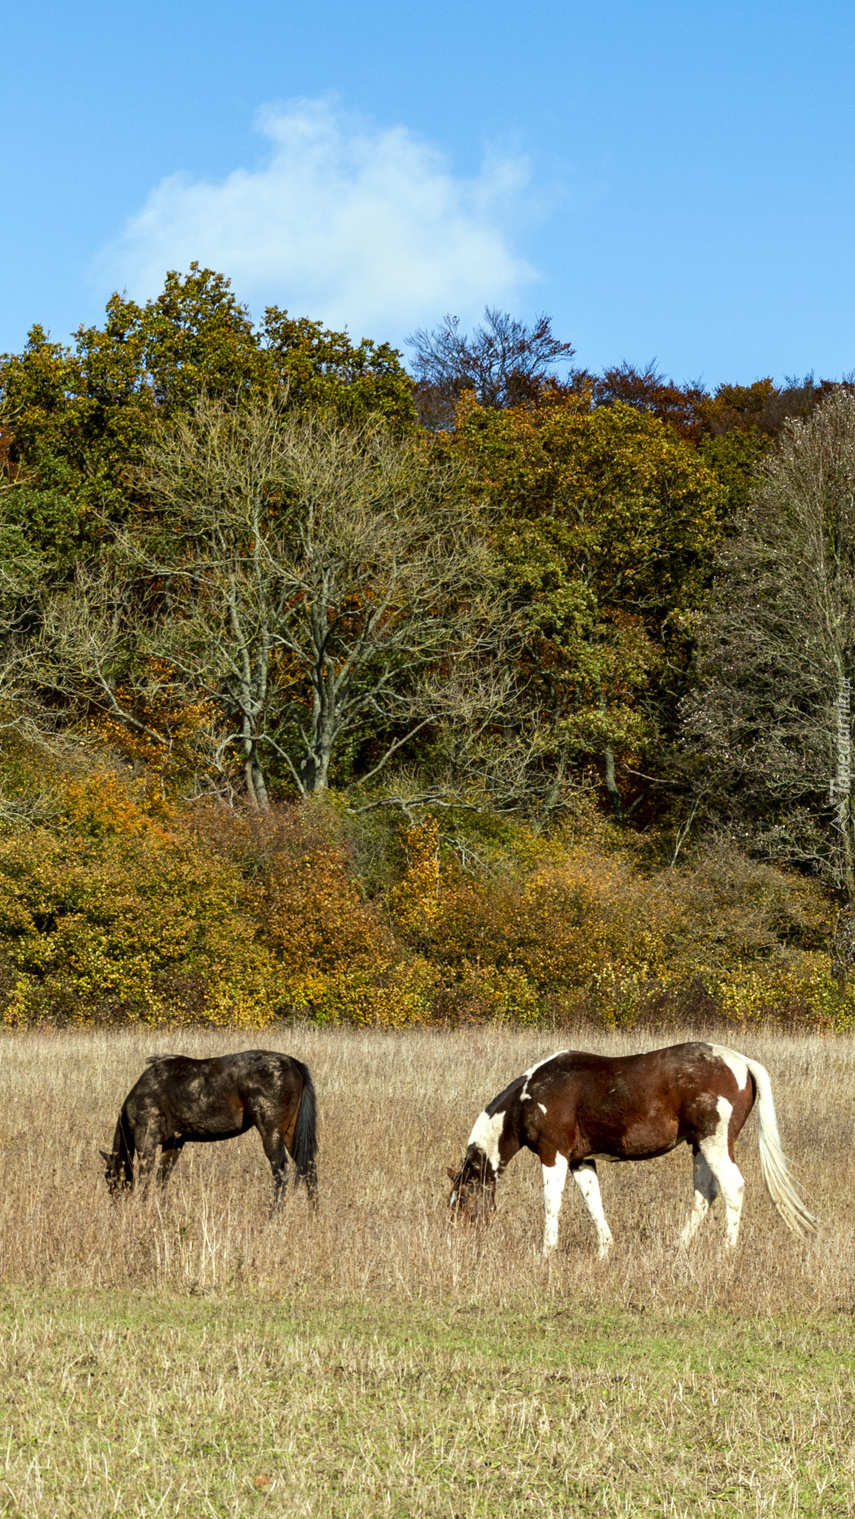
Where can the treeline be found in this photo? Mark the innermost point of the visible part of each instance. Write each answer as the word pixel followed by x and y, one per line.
pixel 476 690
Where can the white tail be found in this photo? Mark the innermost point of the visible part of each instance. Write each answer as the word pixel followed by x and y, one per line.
pixel 776 1172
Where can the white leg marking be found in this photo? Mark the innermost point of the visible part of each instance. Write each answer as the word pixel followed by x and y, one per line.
pixel 726 1172
pixel 706 1192
pixel 486 1134
pixel 586 1179
pixel 554 1178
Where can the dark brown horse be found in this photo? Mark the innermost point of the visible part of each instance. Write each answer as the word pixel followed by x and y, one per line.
pixel 178 1100
pixel 574 1109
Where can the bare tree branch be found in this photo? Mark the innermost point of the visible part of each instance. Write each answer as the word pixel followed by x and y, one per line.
pixel 321 579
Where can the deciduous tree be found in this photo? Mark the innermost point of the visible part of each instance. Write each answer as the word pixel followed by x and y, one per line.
pixel 310 580
pixel 504 362
pixel 605 525
pixel 76 420
pixel 773 718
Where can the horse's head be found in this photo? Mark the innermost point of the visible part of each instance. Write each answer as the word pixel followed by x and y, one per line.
pixel 473 1190
pixel 115 1172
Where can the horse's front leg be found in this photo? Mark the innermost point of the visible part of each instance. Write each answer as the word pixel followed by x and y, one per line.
pixel 148 1137
pixel 554 1177
pixel 147 1158
pixel 588 1182
pixel 169 1154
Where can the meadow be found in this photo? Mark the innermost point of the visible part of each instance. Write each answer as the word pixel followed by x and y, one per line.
pixel 190 1355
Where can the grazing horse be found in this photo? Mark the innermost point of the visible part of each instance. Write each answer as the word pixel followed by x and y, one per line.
pixel 574 1109
pixel 179 1100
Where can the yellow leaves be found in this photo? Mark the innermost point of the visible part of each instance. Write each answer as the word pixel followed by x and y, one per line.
pixel 112 915
pixel 487 993
pixel 15 1011
pixel 414 902
pixel 401 994
pixel 581 931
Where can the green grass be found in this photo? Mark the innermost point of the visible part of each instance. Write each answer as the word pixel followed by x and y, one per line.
pixel 120 1403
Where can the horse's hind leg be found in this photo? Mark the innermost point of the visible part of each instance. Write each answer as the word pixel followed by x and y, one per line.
pixel 274 1149
pixel 588 1182
pixel 706 1192
pixel 716 1152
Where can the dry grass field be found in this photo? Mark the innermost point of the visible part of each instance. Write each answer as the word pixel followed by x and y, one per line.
pixel 188 1355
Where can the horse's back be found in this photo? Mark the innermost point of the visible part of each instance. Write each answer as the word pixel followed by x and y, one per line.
pixel 691 1064
pixel 221 1093
pixel 630 1106
pixel 264 1065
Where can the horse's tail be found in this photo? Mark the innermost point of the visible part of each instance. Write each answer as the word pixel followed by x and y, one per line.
pixel 776 1171
pixel 124 1149
pixel 305 1149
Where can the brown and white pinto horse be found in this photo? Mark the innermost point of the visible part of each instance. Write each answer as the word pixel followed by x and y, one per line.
pixel 574 1109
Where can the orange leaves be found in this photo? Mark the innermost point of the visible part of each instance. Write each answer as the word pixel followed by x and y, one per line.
pixel 315 917
pixel 336 957
pixel 104 803
pixel 117 913
pixel 173 721
pixel 307 897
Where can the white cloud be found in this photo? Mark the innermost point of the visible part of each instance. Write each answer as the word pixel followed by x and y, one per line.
pixel 357 226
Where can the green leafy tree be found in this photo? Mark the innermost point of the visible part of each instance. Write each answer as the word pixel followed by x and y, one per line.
pixel 605 524
pixel 321 369
pixel 93 408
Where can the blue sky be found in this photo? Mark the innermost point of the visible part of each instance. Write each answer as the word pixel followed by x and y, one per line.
pixel 668 181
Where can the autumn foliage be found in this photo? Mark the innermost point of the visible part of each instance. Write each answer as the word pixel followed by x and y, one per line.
pixel 338 691
pixel 578 931
pixel 110 913
pixel 118 907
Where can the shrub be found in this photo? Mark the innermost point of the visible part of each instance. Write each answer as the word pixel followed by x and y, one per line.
pixel 583 932
pixel 114 914
pixel 338 958
pixel 117 907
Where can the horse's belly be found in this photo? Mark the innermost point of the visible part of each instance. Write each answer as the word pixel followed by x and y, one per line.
pixel 226 1120
pixel 639 1141
pixel 209 1135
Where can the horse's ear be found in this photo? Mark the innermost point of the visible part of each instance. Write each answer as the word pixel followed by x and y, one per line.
pixel 104 1156
pixel 449 1173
